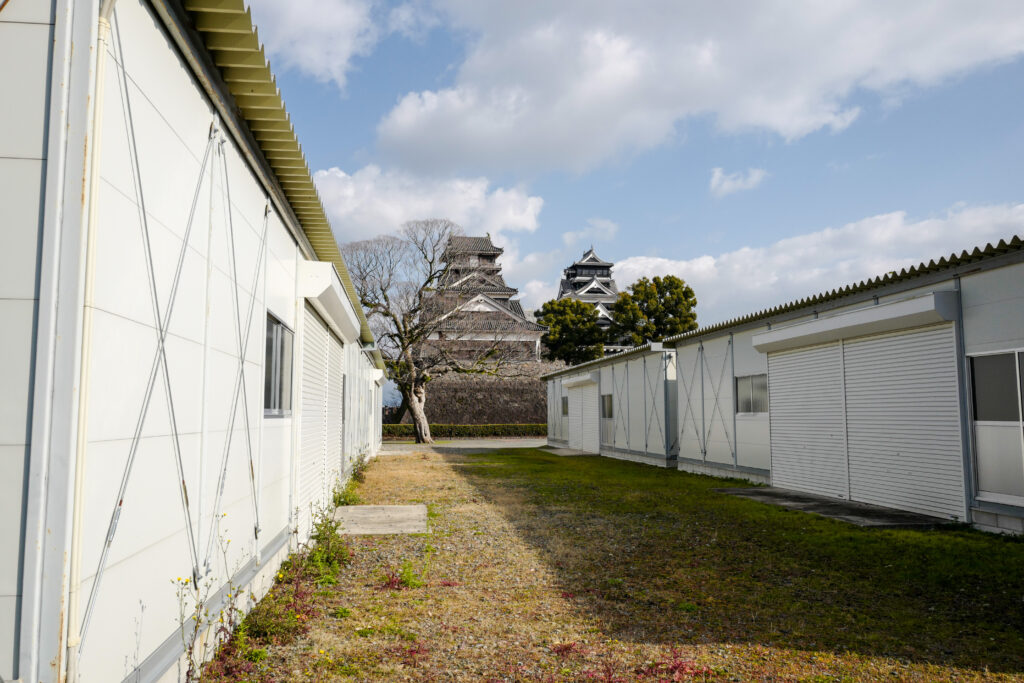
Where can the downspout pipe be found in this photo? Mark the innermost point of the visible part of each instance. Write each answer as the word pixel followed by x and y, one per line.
pixel 95 134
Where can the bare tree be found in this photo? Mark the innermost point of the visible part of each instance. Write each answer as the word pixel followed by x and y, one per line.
pixel 397 278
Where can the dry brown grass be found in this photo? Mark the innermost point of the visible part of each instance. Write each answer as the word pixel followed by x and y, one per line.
pixel 515 591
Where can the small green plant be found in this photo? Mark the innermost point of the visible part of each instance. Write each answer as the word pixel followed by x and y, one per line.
pixel 328 553
pixel 392 629
pixel 346 495
pixel 256 655
pixel 411 578
pixel 341 612
pixel 365 632
pixel 359 468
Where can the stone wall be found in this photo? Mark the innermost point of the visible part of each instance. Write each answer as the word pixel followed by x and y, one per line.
pixel 519 396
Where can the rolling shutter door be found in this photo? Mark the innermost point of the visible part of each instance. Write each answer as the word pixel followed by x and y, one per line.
pixel 314 417
pixel 576 419
pixel 807 420
pixel 335 411
pixel 589 439
pixel 903 422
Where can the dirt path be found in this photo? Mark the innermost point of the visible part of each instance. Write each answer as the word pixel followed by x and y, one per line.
pixel 490 606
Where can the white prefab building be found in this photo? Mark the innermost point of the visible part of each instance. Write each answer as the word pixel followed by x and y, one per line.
pixel 187 372
pixel 904 391
pixel 622 406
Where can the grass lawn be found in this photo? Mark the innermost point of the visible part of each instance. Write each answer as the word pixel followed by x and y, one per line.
pixel 544 568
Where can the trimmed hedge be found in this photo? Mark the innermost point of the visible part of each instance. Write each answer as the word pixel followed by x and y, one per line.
pixel 439 431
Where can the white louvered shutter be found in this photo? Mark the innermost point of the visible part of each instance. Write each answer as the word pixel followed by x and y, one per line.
pixel 314 418
pixel 903 422
pixel 807 422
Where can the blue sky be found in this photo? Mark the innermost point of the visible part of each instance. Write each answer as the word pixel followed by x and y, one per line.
pixel 849 138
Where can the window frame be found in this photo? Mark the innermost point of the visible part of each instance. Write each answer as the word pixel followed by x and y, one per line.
pixel 565 406
pixel 274 369
pixel 1018 367
pixel 749 379
pixel 607 409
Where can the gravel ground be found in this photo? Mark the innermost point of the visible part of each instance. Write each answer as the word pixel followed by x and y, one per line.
pixel 505 596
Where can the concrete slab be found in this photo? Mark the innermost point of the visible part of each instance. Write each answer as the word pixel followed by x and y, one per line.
pixel 382 519
pixel 860 514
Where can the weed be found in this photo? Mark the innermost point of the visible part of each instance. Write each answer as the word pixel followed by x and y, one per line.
pixel 341 612
pixel 346 495
pixel 410 654
pixel 392 629
pixel 256 655
pixel 359 468
pixel 391 580
pixel 365 632
pixel 325 664
pixel 567 649
pixel 673 669
pixel 410 577
pixel 329 552
pixel 405 577
pixel 688 607
pixel 605 674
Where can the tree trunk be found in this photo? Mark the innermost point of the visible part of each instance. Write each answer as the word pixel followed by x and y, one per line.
pixel 417 400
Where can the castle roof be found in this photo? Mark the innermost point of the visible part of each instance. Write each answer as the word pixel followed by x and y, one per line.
pixel 463 244
pixel 590 258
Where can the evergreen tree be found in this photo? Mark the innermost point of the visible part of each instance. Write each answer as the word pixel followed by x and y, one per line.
pixel 653 309
pixel 573 334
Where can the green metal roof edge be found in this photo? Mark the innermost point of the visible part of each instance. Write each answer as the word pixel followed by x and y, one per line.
pixel 230 36
pixel 990 251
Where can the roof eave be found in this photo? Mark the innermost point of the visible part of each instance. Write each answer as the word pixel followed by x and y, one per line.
pixel 230 44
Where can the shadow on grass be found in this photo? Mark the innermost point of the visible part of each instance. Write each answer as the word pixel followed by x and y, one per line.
pixel 656 556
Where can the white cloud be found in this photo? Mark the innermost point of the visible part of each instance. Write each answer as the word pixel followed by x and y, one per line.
pixel 597 230
pixel 753 278
pixel 535 292
pixel 574 83
pixel 316 37
pixel 723 183
pixel 412 20
pixel 372 202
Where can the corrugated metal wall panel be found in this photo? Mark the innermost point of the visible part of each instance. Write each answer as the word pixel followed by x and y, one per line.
pixel 312 452
pixel 620 407
pixel 903 422
pixel 719 429
pixel 690 427
pixel 635 408
pixel 807 420
pixel 654 397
